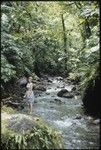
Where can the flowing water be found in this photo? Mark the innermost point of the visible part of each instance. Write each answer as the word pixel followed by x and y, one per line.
pixel 67 116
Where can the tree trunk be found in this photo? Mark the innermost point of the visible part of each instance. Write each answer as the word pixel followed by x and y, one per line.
pixel 65 41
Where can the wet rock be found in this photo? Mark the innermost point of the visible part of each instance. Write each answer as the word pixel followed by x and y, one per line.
pixel 49 80
pixel 51 106
pixel 47 93
pixel 49 88
pixel 68 95
pixel 52 96
pixel 22 82
pixel 51 101
pixel 63 91
pixel 96 122
pixel 44 77
pixel 19 122
pixel 78 117
pixel 37 92
pixel 68 81
pixel 26 127
pixel 59 78
pixel 40 87
pixel 77 93
pixel 74 88
pixel 63 86
pixel 89 118
pixel 48 83
pixel 57 100
pixel 58 86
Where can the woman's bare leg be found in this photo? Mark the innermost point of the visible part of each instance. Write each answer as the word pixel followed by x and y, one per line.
pixel 30 107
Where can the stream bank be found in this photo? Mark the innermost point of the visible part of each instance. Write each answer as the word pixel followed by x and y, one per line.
pixel 78 130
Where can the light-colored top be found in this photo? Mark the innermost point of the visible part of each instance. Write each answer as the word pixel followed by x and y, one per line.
pixel 29 93
pixel 29 86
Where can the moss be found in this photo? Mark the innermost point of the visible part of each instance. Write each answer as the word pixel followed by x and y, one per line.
pixel 40 136
pixel 91 96
pixel 9 110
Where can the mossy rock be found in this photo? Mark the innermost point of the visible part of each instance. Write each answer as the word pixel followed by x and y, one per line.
pixel 92 96
pixel 21 131
pixel 8 110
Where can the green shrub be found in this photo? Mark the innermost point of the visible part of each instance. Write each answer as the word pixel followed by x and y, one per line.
pixel 37 138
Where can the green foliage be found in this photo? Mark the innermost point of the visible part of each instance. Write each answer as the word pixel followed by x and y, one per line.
pixel 8 110
pixel 86 59
pixel 32 33
pixel 15 58
pixel 7 70
pixel 40 137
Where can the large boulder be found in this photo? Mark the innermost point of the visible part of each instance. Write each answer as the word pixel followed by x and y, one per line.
pixel 61 92
pixel 65 93
pixel 19 122
pixel 92 96
pixel 22 81
pixel 68 95
pixel 22 131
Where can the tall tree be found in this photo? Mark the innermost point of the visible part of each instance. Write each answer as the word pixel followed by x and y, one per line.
pixel 65 40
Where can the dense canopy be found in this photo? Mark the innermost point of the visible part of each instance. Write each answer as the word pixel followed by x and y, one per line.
pixel 49 37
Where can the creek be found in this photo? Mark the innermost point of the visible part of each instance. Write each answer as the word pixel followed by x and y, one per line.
pixel 67 115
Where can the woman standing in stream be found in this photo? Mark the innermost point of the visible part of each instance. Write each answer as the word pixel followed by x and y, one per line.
pixel 29 95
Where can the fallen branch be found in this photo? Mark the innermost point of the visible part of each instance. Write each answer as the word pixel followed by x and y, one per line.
pixel 5 99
